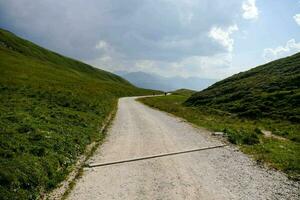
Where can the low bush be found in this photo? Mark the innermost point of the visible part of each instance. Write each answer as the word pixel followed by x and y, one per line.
pixel 241 137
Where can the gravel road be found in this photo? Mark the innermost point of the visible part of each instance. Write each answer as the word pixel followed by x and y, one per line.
pixel 137 131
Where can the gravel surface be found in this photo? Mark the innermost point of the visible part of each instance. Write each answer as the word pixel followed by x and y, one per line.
pixel 137 131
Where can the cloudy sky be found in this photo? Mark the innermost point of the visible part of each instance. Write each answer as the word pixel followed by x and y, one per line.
pixel 204 38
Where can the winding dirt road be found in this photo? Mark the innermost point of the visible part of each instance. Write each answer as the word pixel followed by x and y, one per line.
pixel 139 131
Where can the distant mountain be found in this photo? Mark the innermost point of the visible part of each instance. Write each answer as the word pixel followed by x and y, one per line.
pixel 271 90
pixel 153 81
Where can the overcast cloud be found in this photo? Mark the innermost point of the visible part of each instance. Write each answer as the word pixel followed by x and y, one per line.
pixel 289 48
pixel 169 37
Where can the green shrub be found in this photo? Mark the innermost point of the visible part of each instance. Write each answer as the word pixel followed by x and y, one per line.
pixel 250 139
pixel 241 137
pixel 258 131
pixel 25 129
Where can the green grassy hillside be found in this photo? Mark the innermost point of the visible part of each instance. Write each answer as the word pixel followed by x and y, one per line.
pixel 51 107
pixel 183 92
pixel 268 91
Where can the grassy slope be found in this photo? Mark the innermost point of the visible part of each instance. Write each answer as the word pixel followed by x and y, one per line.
pixel 215 113
pixel 50 108
pixel 271 90
pixel 184 92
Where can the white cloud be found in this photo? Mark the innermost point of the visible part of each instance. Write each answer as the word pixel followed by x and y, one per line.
pixel 131 35
pixel 297 18
pixel 250 9
pixel 137 29
pixel 101 45
pixel 105 50
pixel 290 48
pixel 215 67
pixel 222 36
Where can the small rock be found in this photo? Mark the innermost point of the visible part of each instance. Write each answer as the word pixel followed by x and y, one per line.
pixel 218 133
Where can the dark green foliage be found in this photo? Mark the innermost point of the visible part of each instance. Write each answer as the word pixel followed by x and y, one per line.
pixel 241 136
pixel 51 107
pixel 268 91
pixel 258 131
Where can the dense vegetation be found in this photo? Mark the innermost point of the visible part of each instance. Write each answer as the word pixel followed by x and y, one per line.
pixel 51 107
pixel 245 107
pixel 268 91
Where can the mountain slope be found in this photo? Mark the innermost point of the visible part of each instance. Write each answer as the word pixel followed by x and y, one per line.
pixel 153 81
pixel 183 92
pixel 51 107
pixel 145 80
pixel 268 91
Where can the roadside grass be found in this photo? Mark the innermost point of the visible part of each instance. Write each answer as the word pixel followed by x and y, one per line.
pixel 51 108
pixel 278 154
pixel 64 192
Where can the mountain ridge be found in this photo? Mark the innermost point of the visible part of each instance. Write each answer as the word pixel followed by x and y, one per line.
pixel 154 81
